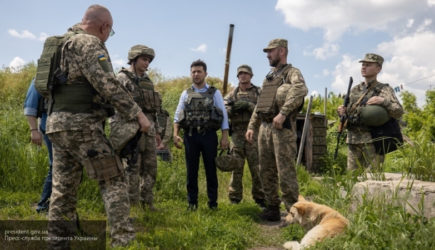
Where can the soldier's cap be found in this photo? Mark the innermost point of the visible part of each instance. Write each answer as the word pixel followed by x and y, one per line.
pixel 371 57
pixel 275 43
pixel 244 68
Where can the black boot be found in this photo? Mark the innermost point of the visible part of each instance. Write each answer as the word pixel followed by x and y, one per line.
pixel 271 213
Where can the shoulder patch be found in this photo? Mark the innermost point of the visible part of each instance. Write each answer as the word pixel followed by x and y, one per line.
pixel 102 60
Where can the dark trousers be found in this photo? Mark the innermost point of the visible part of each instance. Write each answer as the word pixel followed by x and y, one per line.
pixel 205 144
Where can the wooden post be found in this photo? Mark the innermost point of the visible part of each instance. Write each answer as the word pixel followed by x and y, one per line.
pixel 227 60
pixel 325 106
pixel 304 131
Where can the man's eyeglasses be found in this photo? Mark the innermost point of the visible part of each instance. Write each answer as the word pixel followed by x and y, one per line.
pixel 112 32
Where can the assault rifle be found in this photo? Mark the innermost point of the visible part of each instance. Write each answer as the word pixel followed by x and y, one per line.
pixel 343 119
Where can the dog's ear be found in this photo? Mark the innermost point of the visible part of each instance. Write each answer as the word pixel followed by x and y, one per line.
pixel 301 198
pixel 301 207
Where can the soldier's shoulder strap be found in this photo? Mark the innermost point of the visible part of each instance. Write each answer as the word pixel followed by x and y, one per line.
pixel 210 92
pixel 257 89
pixel 285 72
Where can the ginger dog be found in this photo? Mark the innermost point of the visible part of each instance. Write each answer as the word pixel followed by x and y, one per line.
pixel 321 221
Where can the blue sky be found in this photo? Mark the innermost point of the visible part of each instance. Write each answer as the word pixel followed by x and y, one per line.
pixel 326 38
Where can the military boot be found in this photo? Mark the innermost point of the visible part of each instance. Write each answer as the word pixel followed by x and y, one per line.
pixel 271 213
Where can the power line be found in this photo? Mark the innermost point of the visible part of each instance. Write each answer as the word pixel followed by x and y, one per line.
pixel 420 79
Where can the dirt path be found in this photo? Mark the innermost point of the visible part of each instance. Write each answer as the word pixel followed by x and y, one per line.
pixel 271 236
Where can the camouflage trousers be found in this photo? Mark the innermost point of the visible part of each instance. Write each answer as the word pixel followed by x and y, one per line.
pixel 277 153
pixel 245 150
pixel 141 176
pixel 363 155
pixel 71 150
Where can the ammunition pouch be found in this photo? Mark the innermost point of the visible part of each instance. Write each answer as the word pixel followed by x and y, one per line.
pixel 149 101
pixel 103 169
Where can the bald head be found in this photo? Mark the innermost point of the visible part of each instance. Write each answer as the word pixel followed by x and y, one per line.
pixel 96 21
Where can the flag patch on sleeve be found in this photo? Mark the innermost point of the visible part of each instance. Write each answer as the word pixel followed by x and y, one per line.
pixel 102 57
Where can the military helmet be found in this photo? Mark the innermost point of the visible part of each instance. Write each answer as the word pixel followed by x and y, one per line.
pixel 374 115
pixel 138 50
pixel 121 132
pixel 227 162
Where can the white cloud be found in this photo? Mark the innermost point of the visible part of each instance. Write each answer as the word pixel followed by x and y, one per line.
pixel 201 48
pixel 409 61
pixel 42 36
pixel 337 16
pixel 25 34
pixel 314 93
pixel 16 64
pixel 423 27
pixel 348 67
pixel 118 63
pixel 326 51
pixel 410 23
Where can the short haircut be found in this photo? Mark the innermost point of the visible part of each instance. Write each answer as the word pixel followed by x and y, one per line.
pixel 199 62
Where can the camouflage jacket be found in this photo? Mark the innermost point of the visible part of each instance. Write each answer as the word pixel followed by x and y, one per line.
pixel 240 118
pixel 135 91
pixel 358 134
pixel 85 58
pixel 289 96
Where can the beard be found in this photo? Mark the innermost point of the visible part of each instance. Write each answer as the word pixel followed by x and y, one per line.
pixel 274 62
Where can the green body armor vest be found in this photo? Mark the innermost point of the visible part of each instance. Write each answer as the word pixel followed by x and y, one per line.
pixel 148 99
pixel 242 117
pixel 266 105
pixel 200 112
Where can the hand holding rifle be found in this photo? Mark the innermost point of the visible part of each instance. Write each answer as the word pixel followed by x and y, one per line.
pixel 343 117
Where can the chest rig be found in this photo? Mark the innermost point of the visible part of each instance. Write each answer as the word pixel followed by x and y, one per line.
pixel 145 96
pixel 266 105
pixel 242 116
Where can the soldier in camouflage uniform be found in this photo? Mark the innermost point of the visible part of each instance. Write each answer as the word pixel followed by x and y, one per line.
pixel 370 92
pixel 239 104
pixel 142 172
pixel 75 126
pixel 275 114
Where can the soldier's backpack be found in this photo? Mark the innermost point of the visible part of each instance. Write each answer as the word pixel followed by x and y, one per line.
pixel 48 71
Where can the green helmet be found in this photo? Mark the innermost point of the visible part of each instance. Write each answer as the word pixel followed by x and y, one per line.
pixel 227 162
pixel 121 132
pixel 374 115
pixel 138 50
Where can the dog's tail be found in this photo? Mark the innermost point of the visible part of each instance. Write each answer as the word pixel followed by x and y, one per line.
pixel 301 198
